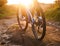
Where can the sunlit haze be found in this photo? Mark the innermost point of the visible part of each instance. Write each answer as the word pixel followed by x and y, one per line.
pixel 46 1
pixel 27 2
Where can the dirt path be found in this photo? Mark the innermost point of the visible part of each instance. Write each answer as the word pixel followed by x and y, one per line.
pixel 52 37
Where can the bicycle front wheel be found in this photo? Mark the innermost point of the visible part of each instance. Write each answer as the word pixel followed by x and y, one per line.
pixel 39 26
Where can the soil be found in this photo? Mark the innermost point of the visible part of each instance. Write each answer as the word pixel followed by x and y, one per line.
pixel 11 35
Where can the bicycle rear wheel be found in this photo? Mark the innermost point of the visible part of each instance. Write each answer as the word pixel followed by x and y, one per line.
pixel 22 20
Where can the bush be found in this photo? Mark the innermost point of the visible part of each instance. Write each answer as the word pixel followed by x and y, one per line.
pixel 7 11
pixel 53 14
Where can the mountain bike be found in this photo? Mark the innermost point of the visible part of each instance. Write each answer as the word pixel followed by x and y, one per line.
pixel 36 18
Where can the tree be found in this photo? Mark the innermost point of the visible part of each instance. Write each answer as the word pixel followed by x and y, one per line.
pixel 2 2
pixel 3 8
pixel 57 3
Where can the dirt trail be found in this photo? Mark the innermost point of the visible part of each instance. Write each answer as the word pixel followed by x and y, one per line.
pixel 52 37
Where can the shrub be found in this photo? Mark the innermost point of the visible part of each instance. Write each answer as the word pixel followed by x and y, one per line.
pixel 53 14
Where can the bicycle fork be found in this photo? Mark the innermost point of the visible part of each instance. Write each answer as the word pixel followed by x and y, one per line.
pixel 33 29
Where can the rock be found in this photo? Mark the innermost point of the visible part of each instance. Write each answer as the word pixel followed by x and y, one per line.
pixel 57 30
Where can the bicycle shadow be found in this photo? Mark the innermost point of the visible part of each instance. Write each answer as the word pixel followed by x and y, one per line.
pixel 22 38
pixel 26 38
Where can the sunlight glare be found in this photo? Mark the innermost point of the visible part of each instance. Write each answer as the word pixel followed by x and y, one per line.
pixel 24 2
pixel 46 1
pixel 28 2
pixel 12 2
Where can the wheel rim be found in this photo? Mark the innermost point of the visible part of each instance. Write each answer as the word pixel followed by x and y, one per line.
pixel 19 22
pixel 41 36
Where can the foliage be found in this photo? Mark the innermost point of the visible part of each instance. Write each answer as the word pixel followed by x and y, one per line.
pixel 3 8
pixel 57 3
pixel 7 11
pixel 2 2
pixel 3 11
pixel 53 14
